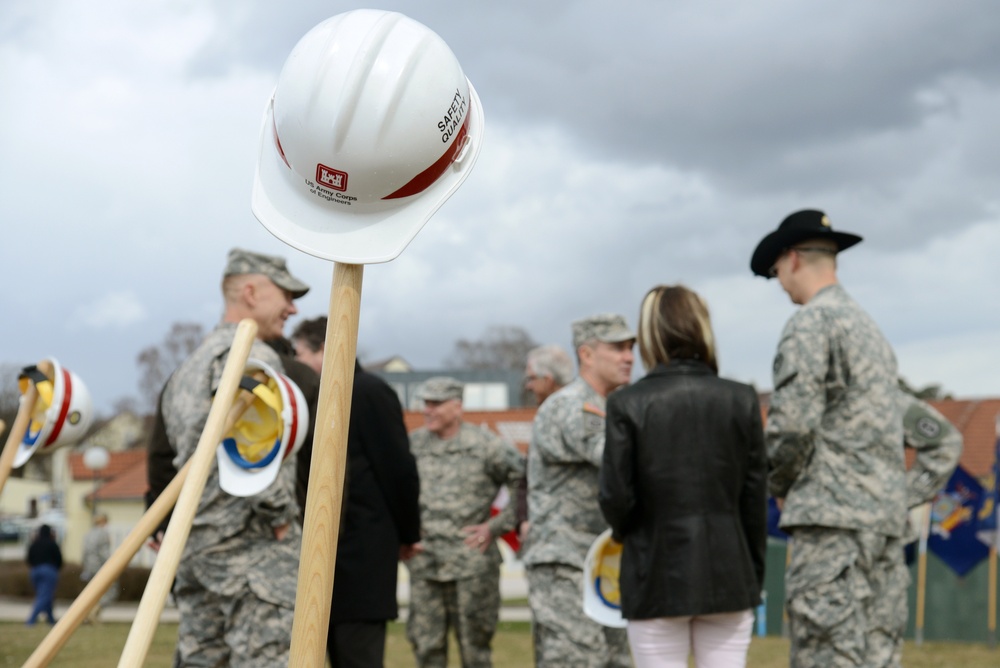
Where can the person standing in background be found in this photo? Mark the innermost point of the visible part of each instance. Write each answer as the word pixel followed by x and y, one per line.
pixel 44 562
pixel 684 487
pixel 835 449
pixel 97 550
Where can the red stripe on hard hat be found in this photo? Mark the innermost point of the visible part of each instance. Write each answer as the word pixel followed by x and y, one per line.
pixel 63 409
pixel 426 178
pixel 277 142
pixel 295 416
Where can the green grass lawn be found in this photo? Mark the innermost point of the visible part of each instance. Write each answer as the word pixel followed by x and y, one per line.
pixel 101 646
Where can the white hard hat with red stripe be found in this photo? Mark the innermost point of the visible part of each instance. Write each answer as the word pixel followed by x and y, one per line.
pixel 272 429
pixel 62 413
pixel 371 128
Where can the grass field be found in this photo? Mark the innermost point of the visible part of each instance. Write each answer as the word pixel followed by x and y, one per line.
pixel 100 647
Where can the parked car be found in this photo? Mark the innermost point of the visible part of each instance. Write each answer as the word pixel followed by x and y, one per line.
pixel 9 532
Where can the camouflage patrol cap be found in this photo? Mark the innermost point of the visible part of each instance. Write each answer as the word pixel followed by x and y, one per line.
pixel 605 327
pixel 247 262
pixel 441 388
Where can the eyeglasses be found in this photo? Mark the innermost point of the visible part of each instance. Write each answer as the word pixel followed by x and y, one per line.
pixel 773 271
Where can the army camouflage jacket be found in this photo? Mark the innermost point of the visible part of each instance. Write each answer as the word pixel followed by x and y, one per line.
pixel 228 528
pixel 835 424
pixel 459 478
pixel 567 446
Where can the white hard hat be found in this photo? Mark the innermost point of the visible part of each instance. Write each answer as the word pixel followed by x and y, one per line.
pixel 601 596
pixel 371 128
pixel 62 413
pixel 266 435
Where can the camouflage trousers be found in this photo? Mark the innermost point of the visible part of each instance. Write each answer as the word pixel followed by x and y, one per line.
pixel 562 634
pixel 471 606
pixel 845 593
pixel 218 630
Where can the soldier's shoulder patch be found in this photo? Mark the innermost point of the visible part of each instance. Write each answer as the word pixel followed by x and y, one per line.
pixel 778 359
pixel 929 427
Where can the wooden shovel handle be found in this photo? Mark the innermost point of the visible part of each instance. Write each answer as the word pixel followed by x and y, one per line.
pixel 321 526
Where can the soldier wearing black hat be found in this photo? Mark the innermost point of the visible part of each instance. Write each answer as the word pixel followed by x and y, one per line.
pixel 834 435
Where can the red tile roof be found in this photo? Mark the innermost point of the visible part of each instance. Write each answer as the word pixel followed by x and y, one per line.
pixel 124 478
pixel 128 485
pixel 977 420
pixel 118 462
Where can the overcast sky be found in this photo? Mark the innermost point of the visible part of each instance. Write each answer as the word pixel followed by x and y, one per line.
pixel 627 144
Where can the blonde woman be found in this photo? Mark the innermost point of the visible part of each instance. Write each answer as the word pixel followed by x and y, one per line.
pixel 683 486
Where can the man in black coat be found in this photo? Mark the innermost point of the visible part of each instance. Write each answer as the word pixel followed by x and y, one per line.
pixel 380 521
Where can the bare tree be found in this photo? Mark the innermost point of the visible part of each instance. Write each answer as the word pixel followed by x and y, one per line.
pixel 928 392
pixel 10 397
pixel 157 362
pixel 501 347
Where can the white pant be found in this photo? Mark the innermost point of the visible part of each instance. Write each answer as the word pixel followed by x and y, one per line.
pixel 717 641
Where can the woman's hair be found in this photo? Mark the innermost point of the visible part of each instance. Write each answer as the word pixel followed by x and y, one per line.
pixel 674 324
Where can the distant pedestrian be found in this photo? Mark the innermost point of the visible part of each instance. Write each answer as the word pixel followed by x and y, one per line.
pixel 96 551
pixel 44 561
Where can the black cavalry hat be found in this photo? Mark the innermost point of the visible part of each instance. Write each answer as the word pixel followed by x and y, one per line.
pixel 799 226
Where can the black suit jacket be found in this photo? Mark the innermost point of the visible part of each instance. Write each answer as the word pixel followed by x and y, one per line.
pixel 683 484
pixel 381 504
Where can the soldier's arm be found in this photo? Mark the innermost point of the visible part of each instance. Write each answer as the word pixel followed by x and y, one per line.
pixel 797 403
pixel 938 445
pixel 506 467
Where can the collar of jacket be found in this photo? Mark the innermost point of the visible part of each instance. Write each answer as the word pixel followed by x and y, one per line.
pixel 681 366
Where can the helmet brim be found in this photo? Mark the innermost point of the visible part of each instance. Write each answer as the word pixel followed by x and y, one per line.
pixel 345 234
pixel 594 605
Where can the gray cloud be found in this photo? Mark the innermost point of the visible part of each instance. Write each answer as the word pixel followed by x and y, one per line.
pixel 626 146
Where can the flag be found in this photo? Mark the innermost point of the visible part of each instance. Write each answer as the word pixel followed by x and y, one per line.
pixel 986 530
pixel 954 514
pixel 773 518
pixel 499 503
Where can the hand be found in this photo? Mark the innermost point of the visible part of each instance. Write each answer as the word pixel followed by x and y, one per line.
pixel 407 552
pixel 478 536
pixel 155 541
pixel 780 502
pixel 280 532
pixel 522 531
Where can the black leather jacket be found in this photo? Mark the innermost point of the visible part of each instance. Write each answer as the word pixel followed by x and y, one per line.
pixel 684 485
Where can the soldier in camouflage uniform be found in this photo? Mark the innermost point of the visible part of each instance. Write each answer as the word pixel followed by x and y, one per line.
pixel 834 435
pixel 455 576
pixel 235 585
pixel 567 446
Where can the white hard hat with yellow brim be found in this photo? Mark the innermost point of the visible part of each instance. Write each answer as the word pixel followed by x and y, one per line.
pixel 271 430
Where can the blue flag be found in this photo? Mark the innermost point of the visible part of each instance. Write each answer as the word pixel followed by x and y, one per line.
pixel 773 517
pixel 986 530
pixel 954 514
